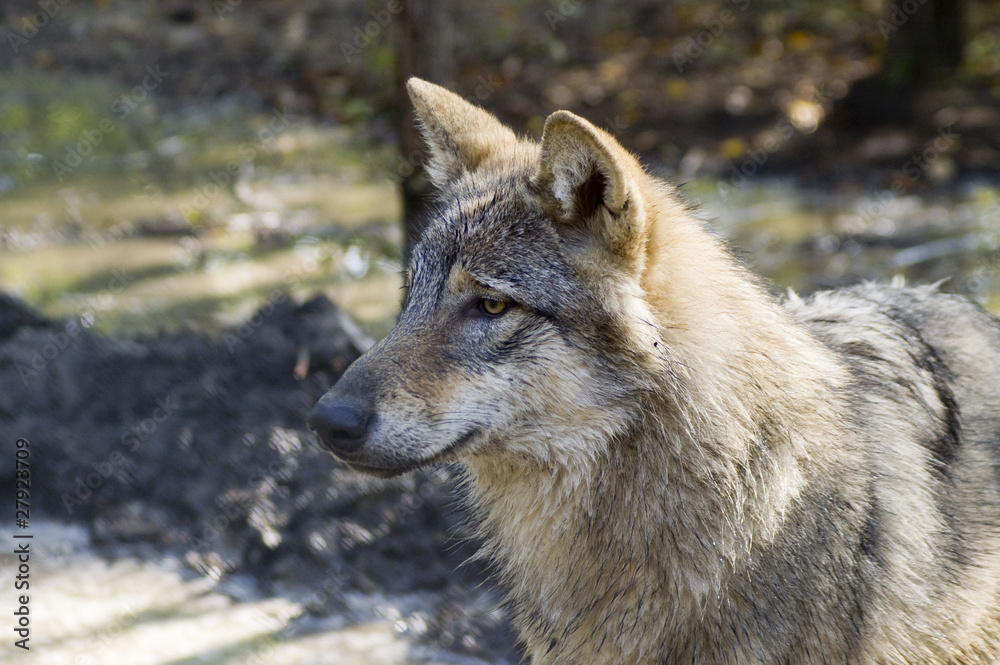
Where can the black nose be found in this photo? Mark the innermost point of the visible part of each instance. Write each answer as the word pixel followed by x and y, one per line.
pixel 340 423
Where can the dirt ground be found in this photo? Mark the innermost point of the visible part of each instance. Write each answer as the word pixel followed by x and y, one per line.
pixel 196 448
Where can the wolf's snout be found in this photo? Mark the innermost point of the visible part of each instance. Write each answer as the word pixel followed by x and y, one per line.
pixel 340 424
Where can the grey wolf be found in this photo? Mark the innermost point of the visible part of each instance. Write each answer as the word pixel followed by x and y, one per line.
pixel 670 465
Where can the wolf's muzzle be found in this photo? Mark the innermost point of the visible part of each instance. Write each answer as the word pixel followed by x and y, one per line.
pixel 340 424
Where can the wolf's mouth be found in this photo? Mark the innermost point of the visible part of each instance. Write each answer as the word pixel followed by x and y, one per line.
pixel 458 443
pixel 394 467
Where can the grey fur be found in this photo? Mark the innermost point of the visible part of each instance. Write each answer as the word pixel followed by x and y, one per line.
pixel 670 466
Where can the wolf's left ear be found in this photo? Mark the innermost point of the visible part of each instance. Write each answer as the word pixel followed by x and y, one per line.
pixel 461 137
pixel 587 179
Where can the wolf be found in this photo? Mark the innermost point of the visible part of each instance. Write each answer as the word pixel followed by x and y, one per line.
pixel 667 463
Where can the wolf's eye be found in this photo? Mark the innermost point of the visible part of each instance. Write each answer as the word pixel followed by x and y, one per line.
pixel 493 306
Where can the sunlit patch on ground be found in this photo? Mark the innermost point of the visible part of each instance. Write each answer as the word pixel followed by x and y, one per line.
pixel 86 610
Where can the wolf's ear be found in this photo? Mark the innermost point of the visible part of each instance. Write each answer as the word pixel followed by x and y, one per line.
pixel 460 136
pixel 586 178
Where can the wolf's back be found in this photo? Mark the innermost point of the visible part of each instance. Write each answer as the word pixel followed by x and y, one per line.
pixel 926 411
pixel 942 348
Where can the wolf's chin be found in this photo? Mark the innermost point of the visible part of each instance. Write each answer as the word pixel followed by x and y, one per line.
pixel 379 471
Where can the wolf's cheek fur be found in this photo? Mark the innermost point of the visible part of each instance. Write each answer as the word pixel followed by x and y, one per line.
pixel 459 391
pixel 567 422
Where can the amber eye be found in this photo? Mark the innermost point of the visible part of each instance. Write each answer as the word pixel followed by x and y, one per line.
pixel 493 306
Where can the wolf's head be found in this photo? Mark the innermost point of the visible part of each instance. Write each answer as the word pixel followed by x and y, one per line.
pixel 526 319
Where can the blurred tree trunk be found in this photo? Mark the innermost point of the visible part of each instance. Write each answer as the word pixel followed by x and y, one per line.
pixel 925 46
pixel 424 49
pixel 926 41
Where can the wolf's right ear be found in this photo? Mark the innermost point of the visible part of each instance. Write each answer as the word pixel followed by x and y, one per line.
pixel 460 136
pixel 587 181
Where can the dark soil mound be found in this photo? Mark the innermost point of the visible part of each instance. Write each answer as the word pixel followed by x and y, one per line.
pixel 198 446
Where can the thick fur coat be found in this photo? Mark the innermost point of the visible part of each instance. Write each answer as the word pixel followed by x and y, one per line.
pixel 670 465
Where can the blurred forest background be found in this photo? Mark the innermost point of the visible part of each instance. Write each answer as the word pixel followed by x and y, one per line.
pixel 193 193
pixel 240 127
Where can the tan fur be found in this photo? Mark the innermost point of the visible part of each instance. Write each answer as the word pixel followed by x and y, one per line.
pixel 668 464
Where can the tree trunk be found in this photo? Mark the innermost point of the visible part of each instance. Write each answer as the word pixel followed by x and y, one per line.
pixel 926 43
pixel 424 49
pixel 925 47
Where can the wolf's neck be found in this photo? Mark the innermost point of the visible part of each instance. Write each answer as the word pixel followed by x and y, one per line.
pixel 650 527
pixel 585 552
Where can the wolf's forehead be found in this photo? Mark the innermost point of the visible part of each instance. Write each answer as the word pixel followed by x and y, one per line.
pixel 485 222
pixel 504 210
pixel 499 236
